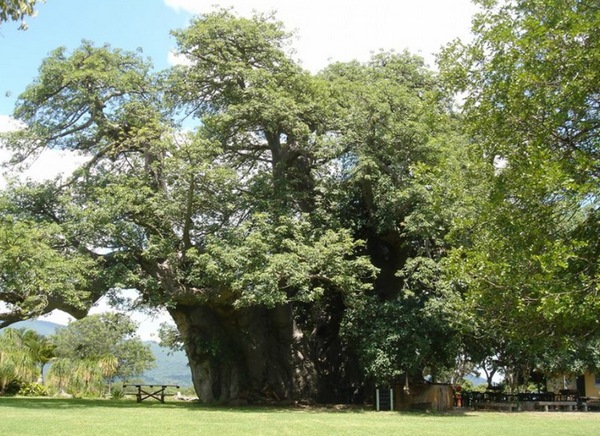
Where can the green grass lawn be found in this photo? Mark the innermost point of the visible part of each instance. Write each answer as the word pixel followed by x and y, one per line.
pixel 46 416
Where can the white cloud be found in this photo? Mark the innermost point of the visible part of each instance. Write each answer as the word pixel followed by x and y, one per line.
pixel 49 164
pixel 9 124
pixel 177 59
pixel 58 317
pixel 342 30
pixel 192 6
pixel 52 163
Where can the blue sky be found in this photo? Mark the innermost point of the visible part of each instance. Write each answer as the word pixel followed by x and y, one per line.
pixel 126 24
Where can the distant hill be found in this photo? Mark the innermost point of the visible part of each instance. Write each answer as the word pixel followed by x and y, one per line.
pixel 45 328
pixel 476 380
pixel 171 367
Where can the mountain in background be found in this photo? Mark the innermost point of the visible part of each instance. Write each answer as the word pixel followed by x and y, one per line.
pixel 171 366
pixel 44 328
pixel 476 380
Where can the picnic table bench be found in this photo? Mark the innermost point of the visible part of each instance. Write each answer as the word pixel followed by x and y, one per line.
pixel 591 403
pixel 570 405
pixel 498 405
pixel 150 391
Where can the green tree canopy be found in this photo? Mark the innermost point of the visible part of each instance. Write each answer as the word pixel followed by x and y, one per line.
pixel 95 338
pixel 529 263
pixel 398 188
pixel 39 272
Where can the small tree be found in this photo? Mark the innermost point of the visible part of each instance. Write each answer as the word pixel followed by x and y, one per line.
pixel 40 349
pixel 99 348
pixel 109 367
pixel 17 363
pixel 61 373
pixel 87 376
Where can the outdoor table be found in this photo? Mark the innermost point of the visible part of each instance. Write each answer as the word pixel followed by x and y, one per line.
pixel 150 391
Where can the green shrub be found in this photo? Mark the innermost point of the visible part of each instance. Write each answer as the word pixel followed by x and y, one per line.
pixel 33 390
pixel 117 393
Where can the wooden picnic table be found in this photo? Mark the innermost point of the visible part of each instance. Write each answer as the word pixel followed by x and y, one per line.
pixel 150 391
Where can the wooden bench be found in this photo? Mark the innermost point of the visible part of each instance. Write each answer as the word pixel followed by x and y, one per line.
pixel 150 391
pixel 498 405
pixel 591 403
pixel 570 405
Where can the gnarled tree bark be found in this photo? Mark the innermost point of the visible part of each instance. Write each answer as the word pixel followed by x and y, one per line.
pixel 254 354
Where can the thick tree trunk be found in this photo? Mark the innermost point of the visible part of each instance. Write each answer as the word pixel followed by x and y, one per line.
pixel 252 354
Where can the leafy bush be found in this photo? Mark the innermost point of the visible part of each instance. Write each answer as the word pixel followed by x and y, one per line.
pixel 33 390
pixel 117 393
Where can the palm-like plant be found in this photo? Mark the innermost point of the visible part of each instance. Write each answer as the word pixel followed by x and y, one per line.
pixel 87 376
pixel 40 349
pixel 61 373
pixel 16 362
pixel 109 366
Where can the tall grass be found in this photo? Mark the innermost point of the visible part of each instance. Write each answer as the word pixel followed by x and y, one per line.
pixel 48 416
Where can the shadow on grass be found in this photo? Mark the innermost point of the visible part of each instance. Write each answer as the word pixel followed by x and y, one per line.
pixel 77 403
